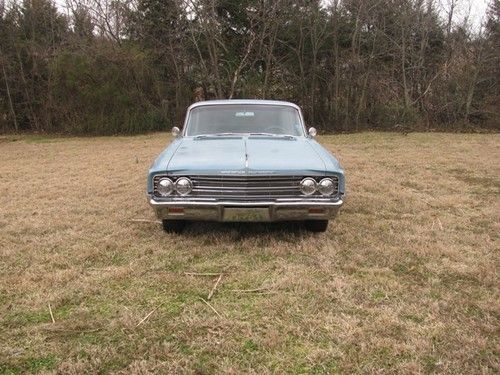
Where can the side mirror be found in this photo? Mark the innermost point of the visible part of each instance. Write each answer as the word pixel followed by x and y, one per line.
pixel 176 131
pixel 312 132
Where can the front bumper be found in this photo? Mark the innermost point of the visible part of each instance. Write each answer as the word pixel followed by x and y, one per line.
pixel 243 211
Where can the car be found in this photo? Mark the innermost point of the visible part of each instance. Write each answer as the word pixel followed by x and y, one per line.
pixel 245 161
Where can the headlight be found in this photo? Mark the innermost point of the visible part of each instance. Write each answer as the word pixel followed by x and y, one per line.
pixel 326 186
pixel 183 186
pixel 165 187
pixel 308 186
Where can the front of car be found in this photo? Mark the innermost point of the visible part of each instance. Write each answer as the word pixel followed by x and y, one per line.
pixel 242 160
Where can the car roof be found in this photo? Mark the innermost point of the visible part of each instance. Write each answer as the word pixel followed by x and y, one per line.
pixel 243 101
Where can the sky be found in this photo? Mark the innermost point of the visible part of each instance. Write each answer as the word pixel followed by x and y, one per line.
pixel 476 9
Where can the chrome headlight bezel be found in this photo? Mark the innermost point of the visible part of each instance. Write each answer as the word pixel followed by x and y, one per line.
pixel 308 186
pixel 183 186
pixel 164 187
pixel 326 187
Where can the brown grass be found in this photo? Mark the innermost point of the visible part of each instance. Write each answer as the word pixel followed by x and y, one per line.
pixel 404 281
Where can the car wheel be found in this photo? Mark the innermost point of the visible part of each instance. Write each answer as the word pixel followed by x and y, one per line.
pixel 316 225
pixel 173 226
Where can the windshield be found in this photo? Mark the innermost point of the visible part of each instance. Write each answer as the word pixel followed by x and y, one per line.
pixel 244 119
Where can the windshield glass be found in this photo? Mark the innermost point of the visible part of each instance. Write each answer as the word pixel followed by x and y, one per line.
pixel 244 119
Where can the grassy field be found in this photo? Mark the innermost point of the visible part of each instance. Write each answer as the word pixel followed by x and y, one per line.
pixel 404 281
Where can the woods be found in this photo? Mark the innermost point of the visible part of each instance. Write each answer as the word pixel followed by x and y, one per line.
pixel 130 66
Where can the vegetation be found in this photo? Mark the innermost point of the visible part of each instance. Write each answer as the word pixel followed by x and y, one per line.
pixel 127 66
pixel 405 281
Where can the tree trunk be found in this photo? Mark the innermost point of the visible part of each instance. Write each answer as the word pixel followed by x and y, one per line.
pixel 403 68
pixel 11 105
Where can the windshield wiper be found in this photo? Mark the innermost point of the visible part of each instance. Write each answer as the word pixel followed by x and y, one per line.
pixel 274 135
pixel 228 134
pixel 217 135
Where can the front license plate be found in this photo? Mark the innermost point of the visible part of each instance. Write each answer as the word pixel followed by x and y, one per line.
pixel 246 214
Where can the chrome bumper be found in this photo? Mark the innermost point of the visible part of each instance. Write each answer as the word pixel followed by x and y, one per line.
pixel 242 211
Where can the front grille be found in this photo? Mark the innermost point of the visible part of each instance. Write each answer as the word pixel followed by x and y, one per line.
pixel 248 187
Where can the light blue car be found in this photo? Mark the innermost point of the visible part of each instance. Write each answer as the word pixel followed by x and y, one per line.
pixel 245 161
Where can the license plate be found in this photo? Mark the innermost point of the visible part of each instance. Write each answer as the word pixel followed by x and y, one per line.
pixel 246 214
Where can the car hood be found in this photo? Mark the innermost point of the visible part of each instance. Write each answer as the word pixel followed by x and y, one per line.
pixel 246 155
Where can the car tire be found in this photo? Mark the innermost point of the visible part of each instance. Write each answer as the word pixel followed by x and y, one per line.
pixel 316 226
pixel 173 226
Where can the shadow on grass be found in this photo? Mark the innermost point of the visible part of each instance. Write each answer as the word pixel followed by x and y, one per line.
pixel 288 230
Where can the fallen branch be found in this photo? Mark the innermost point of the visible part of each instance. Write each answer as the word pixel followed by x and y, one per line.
pixel 213 309
pixel 57 330
pixel 146 317
pixel 214 288
pixel 51 315
pixel 256 290
pixel 203 274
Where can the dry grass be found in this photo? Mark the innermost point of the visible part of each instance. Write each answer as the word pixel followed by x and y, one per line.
pixel 405 281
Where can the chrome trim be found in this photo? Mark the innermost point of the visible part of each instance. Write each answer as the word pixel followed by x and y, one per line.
pixel 190 184
pixel 335 184
pixel 156 203
pixel 155 187
pixel 301 185
pixel 279 210
pixel 248 187
pixel 243 188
